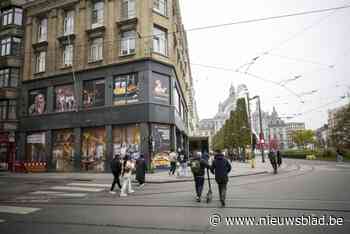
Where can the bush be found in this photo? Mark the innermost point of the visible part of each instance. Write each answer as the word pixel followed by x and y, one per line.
pixel 297 154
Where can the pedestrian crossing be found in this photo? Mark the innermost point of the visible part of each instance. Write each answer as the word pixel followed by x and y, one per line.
pixel 17 210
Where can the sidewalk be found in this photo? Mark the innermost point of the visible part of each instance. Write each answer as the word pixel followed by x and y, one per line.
pixel 238 169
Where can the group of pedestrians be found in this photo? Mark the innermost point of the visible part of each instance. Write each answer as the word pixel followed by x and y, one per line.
pixel 122 168
pixel 178 161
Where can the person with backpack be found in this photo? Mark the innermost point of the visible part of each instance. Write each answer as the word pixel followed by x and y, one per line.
pixel 198 166
pixel 141 170
pixel 116 168
pixel 221 168
pixel 128 166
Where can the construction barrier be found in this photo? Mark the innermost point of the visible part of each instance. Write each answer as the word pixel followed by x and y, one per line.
pixel 35 166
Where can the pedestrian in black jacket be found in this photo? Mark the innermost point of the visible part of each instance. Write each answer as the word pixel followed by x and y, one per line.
pixel 116 168
pixel 198 166
pixel 141 170
pixel 273 160
pixel 221 168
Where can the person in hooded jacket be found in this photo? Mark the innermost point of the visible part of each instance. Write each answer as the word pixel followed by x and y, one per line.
pixel 116 168
pixel 198 165
pixel 221 168
pixel 141 170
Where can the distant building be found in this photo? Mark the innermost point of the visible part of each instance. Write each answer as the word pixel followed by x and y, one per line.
pixel 322 136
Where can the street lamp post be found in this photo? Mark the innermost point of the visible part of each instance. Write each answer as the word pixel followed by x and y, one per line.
pixel 250 125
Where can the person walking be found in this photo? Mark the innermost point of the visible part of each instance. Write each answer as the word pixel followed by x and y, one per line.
pixel 221 168
pixel 198 165
pixel 116 168
pixel 126 174
pixel 339 156
pixel 173 159
pixel 183 163
pixel 279 158
pixel 273 160
pixel 141 170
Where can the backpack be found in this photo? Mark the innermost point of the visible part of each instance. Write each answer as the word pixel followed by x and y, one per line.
pixel 195 166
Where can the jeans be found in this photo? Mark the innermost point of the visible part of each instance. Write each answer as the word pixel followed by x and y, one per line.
pixel 199 183
pixel 116 181
pixel 126 188
pixel 222 185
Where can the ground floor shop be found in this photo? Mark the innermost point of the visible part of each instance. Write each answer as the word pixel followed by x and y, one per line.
pixel 7 150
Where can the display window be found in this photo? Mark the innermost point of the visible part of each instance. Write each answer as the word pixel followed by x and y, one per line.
pixel 63 150
pixel 126 89
pixel 94 93
pixel 64 98
pixel 176 99
pixel 160 88
pixel 127 140
pixel 37 102
pixel 161 145
pixel 94 149
pixel 36 147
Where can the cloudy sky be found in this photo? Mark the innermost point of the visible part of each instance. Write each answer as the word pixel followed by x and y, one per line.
pixel 312 49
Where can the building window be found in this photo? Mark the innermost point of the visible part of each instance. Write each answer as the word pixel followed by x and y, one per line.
pixel 160 40
pixel 94 93
pixel 40 62
pixel 37 102
pixel 7 109
pixel 96 50
pixel 11 16
pixel 6 46
pixel 128 9
pixel 127 140
pixel 10 46
pixel 9 77
pixel 68 25
pixel 42 30
pixel 126 89
pixel 97 14
pixel 63 150
pixel 67 55
pixel 64 98
pixel 128 42
pixel 160 6
pixel 177 100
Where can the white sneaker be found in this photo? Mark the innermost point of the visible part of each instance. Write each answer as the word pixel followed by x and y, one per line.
pixel 112 192
pixel 141 185
pixel 131 191
pixel 123 195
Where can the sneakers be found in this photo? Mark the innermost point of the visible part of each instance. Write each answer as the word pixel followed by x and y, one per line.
pixel 198 199
pixel 141 185
pixel 112 192
pixel 131 191
pixel 123 195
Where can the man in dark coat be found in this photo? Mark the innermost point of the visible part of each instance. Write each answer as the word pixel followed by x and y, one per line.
pixel 273 160
pixel 141 170
pixel 279 158
pixel 116 168
pixel 198 166
pixel 221 168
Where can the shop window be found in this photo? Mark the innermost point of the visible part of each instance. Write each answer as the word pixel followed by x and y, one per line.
pixel 37 102
pixel 128 9
pixel 97 14
pixel 64 98
pixel 126 140
pixel 63 150
pixel 94 149
pixel 36 147
pixel 160 40
pixel 68 23
pixel 128 42
pixel 126 89
pixel 161 145
pixel 94 93
pixel 160 88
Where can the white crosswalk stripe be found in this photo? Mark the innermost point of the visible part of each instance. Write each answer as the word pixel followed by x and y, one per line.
pixel 90 185
pixel 58 194
pixel 78 189
pixel 17 210
pixel 2 221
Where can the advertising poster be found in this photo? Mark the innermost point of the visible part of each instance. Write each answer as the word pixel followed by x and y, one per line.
pixel 161 141
pixel 37 102
pixel 63 150
pixel 64 98
pixel 94 149
pixel 126 89
pixel 127 140
pixel 160 88
pixel 94 93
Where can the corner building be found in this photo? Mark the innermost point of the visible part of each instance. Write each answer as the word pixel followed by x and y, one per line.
pixel 102 77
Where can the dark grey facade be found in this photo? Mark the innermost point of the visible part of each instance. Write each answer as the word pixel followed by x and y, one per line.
pixel 145 112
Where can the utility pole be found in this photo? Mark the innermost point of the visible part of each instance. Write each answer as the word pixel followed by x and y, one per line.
pixel 250 125
pixel 262 140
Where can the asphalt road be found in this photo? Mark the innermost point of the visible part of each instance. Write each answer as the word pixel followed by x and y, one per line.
pixel 308 189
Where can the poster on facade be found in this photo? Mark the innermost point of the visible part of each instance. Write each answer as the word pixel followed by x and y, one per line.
pixel 160 88
pixel 64 98
pixel 94 149
pixel 126 141
pixel 126 89
pixel 94 93
pixel 161 141
pixel 63 150
pixel 37 102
